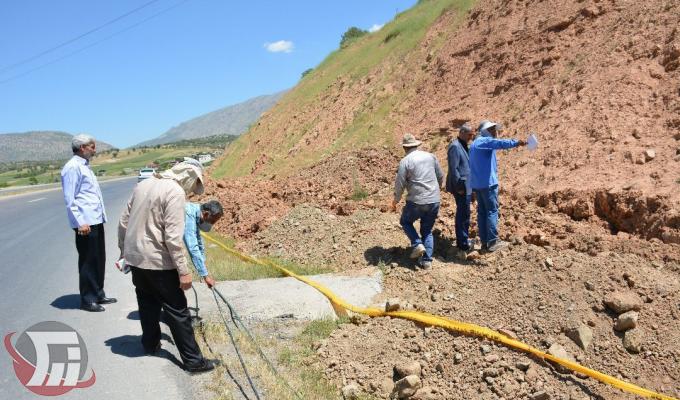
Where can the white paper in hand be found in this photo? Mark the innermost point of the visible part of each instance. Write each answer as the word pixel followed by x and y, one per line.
pixel 532 142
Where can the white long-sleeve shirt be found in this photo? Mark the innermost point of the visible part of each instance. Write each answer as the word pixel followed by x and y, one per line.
pixel 82 195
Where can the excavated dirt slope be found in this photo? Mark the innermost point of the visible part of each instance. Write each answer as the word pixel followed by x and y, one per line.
pixel 592 215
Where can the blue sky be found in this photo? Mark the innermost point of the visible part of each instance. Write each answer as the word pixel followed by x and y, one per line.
pixel 194 58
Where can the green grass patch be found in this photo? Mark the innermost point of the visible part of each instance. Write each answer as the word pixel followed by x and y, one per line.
pixel 358 192
pixel 226 267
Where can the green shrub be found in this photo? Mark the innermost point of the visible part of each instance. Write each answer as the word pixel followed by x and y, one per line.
pixel 352 34
pixel 306 72
pixel 391 36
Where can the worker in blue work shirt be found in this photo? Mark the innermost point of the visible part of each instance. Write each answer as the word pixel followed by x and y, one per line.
pixel 200 218
pixel 484 181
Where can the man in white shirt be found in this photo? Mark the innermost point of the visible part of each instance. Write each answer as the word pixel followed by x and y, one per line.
pixel 86 215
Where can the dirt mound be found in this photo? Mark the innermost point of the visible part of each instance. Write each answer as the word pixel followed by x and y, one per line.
pixel 342 184
pixel 534 294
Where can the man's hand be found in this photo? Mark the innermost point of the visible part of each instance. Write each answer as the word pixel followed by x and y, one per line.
pixel 393 206
pixel 185 282
pixel 209 281
pixel 521 142
pixel 84 230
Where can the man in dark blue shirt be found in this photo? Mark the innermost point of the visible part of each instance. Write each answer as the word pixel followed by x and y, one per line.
pixel 458 183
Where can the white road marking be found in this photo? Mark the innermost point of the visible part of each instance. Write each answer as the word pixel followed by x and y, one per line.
pixel 34 200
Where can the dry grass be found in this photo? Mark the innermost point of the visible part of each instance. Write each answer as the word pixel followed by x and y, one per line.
pixel 296 363
pixel 225 267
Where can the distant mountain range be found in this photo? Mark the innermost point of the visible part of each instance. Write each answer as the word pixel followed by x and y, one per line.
pixel 38 146
pixel 231 120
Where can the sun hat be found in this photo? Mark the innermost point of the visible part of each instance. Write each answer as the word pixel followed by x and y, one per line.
pixel 410 141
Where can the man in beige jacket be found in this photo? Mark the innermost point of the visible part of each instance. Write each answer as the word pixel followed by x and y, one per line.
pixel 150 238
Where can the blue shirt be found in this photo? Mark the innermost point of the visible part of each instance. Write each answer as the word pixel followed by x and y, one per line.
pixel 193 239
pixel 82 195
pixel 483 167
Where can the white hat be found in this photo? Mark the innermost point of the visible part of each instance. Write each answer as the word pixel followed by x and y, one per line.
pixel 484 127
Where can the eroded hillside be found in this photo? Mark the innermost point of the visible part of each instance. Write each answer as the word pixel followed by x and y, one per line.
pixel 591 214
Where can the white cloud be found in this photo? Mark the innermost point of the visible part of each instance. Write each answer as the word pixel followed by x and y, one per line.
pixel 375 28
pixel 282 46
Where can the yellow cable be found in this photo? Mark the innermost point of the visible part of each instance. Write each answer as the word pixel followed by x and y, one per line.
pixel 451 324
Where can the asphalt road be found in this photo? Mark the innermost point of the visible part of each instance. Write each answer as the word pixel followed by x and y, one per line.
pixel 38 271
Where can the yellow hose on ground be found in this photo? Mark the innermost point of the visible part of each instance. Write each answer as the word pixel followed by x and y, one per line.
pixel 451 324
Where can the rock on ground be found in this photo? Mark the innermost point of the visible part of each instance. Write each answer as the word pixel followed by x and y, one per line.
pixel 620 302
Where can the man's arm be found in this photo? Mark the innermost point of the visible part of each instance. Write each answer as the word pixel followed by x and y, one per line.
pixel 400 182
pixel 500 144
pixel 399 185
pixel 70 179
pixel 438 171
pixel 123 223
pixel 192 242
pixel 173 234
pixel 453 159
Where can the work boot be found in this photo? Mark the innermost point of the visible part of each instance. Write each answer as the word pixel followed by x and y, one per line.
pixel 498 245
pixel 426 264
pixel 418 251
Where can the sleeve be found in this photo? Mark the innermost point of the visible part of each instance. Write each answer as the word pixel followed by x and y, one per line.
pixel 438 171
pixel 400 181
pixel 173 234
pixel 123 223
pixel 193 243
pixel 499 144
pixel 453 158
pixel 70 179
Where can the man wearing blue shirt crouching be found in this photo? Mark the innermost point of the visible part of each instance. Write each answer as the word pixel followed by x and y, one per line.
pixel 484 181
pixel 200 218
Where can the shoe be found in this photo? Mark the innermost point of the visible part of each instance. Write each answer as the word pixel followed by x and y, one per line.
pixel 205 366
pixel 499 245
pixel 152 351
pixel 92 307
pixel 426 264
pixel 418 251
pixel 107 300
pixel 464 249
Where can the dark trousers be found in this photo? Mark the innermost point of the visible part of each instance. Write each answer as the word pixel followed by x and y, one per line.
pixel 158 290
pixel 462 220
pixel 91 263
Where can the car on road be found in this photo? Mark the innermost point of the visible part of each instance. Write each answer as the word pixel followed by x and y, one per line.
pixel 145 173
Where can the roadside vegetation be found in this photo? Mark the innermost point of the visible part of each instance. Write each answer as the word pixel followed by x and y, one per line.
pixel 294 356
pixel 111 163
pixel 225 267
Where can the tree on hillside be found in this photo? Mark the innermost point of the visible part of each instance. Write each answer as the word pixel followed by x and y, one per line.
pixel 307 71
pixel 352 34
